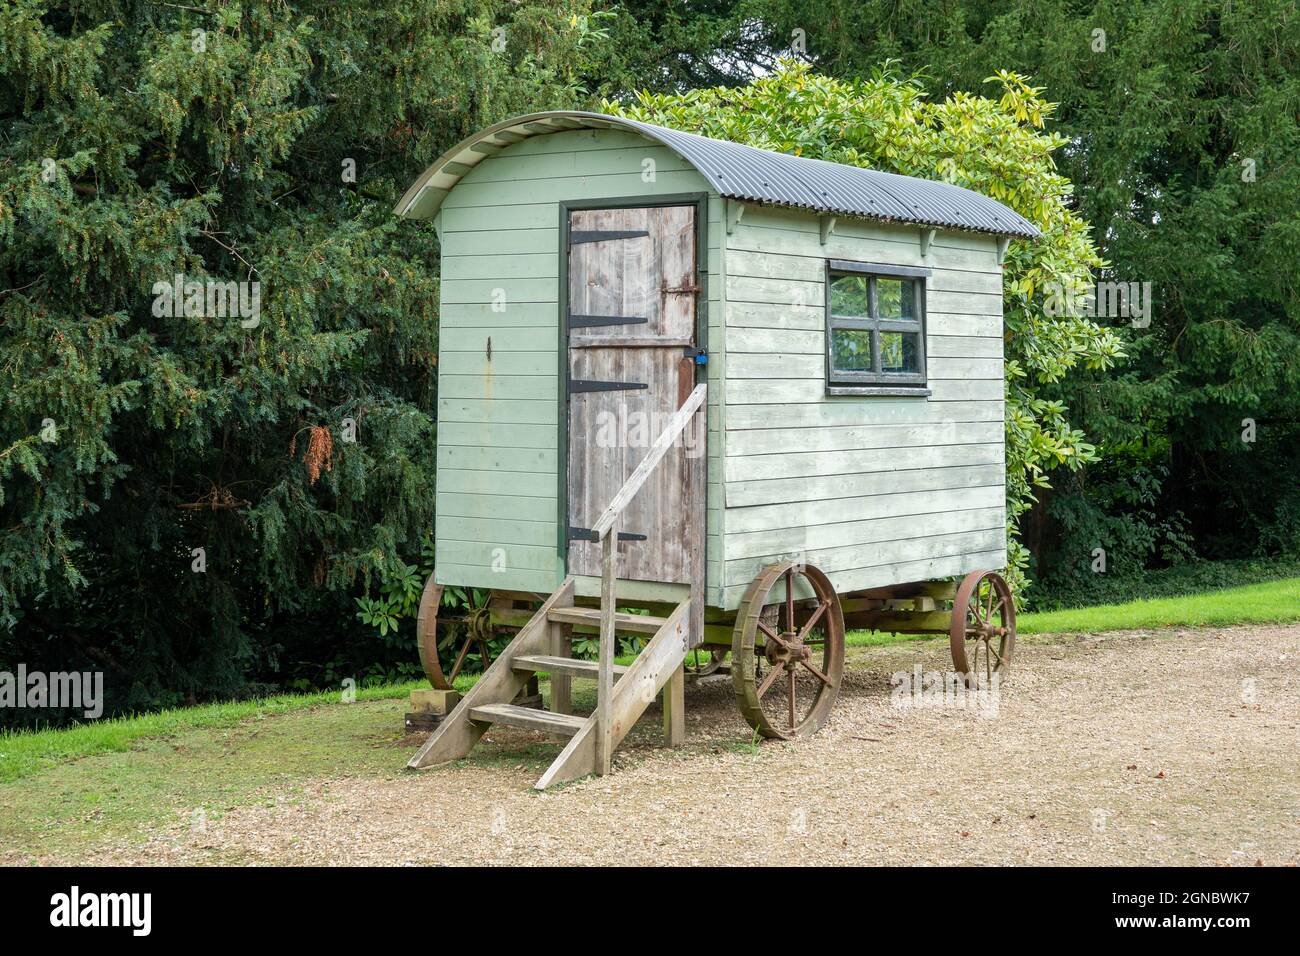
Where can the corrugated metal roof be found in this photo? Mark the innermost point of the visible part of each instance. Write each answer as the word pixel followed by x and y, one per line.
pixel 745 173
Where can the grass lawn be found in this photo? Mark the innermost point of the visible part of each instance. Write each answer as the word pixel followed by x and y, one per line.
pixel 1270 602
pixel 142 775
pixel 26 752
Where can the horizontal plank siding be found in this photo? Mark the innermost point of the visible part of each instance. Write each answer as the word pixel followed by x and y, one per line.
pixel 493 387
pixel 485 315
pixel 495 411
pixel 804 538
pixel 505 555
pixel 760 519
pixel 494 434
pixel 477 576
pixel 798 464
pixel 873 490
pixel 826 491
pixel 492 483
pixel 873 554
pixel 489 458
pixel 882 411
pixel 516 507
pixel 778 441
pixel 539 534
pixel 883 575
pixel 778 390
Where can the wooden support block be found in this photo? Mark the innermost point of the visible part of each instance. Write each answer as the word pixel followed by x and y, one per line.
pixel 422 720
pixel 674 695
pixel 440 702
pixel 561 684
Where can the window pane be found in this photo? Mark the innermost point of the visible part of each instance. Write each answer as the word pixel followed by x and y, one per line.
pixel 851 350
pixel 898 352
pixel 850 295
pixel 897 298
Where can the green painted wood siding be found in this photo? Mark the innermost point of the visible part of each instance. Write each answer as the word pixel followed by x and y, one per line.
pixel 498 419
pixel 873 490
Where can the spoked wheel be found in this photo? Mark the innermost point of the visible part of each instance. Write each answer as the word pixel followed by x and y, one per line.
pixel 467 630
pixel 703 661
pixel 983 630
pixel 787 651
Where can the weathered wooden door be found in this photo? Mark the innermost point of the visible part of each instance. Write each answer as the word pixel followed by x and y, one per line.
pixel 632 302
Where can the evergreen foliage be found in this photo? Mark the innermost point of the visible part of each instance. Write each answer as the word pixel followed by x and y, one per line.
pixel 147 141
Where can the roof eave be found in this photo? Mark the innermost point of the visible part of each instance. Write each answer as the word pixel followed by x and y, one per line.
pixel 425 196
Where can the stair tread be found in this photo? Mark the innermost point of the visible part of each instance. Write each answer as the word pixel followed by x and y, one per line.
pixel 528 717
pixel 643 623
pixel 562 665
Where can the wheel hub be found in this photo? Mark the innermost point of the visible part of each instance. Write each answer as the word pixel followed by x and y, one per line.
pixel 787 652
pixel 985 632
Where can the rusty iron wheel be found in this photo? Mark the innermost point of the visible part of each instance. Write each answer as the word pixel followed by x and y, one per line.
pixel 703 661
pixel 466 629
pixel 787 651
pixel 983 630
pixel 429 637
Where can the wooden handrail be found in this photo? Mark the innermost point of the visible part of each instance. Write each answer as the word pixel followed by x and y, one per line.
pixel 676 425
pixel 606 529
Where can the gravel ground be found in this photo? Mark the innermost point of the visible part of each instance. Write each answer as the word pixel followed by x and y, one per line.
pixel 1175 747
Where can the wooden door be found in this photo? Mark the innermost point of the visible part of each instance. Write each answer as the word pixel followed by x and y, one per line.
pixel 632 302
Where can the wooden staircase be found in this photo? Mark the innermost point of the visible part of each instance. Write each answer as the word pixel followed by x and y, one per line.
pixel 542 646
pixel 622 693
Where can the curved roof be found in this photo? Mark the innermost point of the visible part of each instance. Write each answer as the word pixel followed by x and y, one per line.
pixel 745 173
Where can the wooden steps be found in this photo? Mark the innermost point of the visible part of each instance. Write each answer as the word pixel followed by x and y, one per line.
pixel 540 645
pixel 564 666
pixel 563 725
pixel 590 616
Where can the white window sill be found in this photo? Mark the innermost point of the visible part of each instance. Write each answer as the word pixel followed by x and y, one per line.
pixel 885 391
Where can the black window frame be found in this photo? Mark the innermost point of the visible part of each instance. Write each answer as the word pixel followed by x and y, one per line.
pixel 877 381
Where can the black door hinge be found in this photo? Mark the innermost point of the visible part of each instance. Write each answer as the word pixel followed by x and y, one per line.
pixel 589 385
pixel 586 534
pixel 579 236
pixel 597 321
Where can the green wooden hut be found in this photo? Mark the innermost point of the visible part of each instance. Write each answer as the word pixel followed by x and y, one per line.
pixel 847 325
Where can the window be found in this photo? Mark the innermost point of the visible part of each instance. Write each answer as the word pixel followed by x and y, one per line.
pixel 875 329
